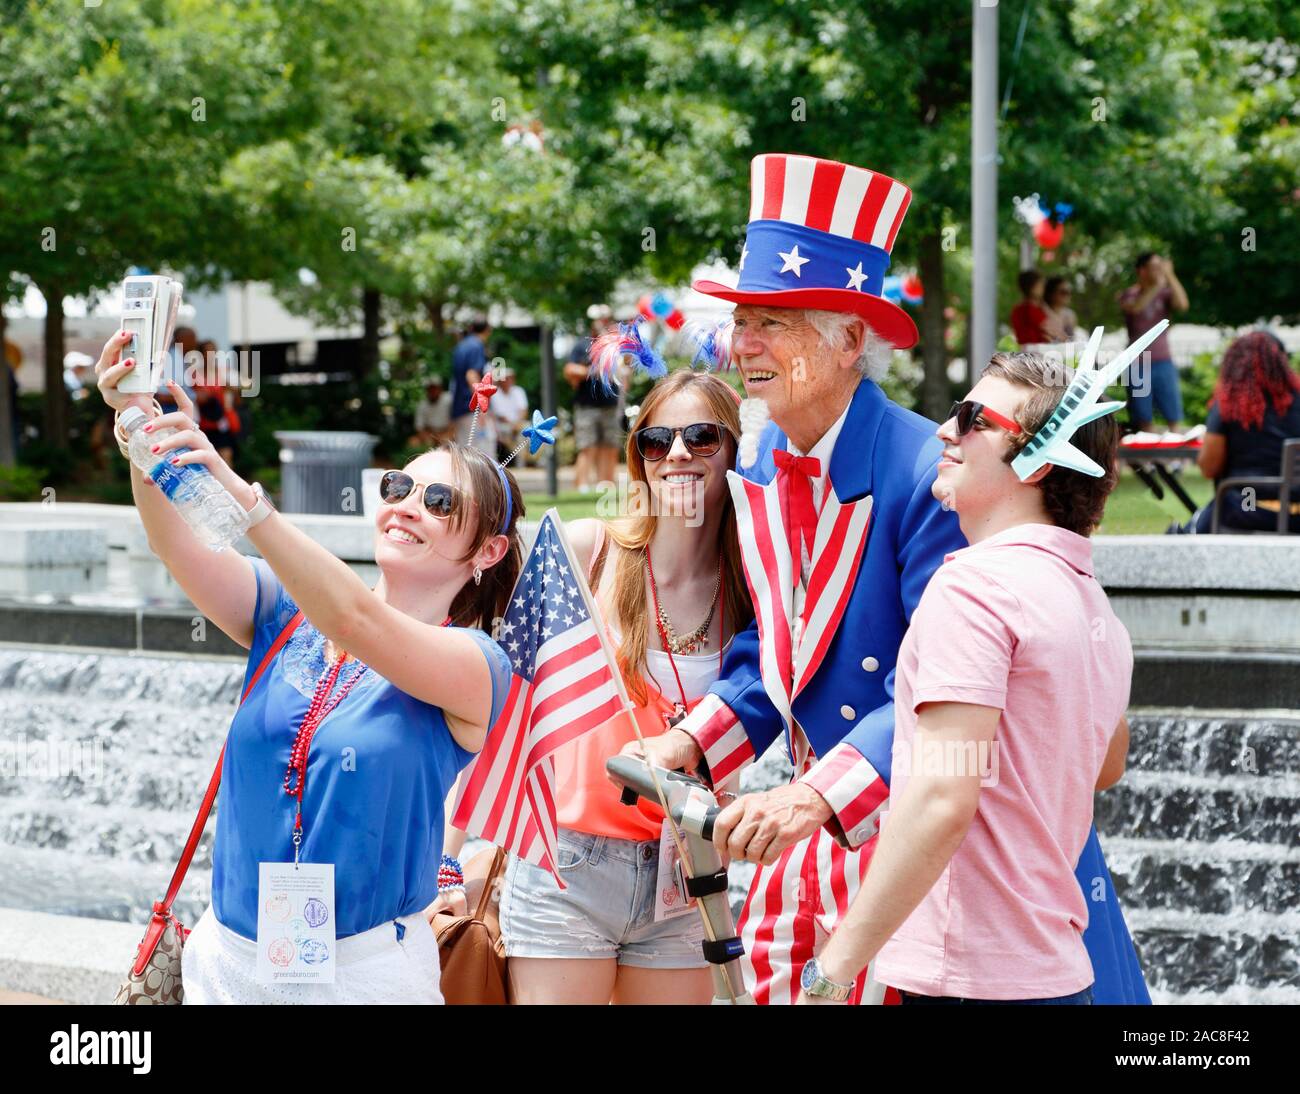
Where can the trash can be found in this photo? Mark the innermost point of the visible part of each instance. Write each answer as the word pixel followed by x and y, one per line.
pixel 321 472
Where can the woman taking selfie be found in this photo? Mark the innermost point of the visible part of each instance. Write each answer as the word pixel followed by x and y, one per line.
pixel 344 751
pixel 671 590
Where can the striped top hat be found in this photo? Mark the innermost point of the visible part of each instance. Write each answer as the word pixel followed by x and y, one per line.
pixel 819 236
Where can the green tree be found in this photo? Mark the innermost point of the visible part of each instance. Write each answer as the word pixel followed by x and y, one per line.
pixel 1106 111
pixel 114 124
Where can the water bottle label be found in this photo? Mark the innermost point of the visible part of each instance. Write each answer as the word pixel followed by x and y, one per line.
pixel 172 479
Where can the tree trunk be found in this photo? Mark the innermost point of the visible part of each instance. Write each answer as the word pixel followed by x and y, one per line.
pixel 433 309
pixel 935 398
pixel 8 441
pixel 547 346
pixel 56 394
pixel 370 311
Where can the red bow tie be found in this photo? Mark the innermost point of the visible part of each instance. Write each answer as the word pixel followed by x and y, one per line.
pixel 794 483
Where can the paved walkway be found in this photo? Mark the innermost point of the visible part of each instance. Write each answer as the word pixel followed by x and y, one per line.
pixel 532 480
pixel 25 999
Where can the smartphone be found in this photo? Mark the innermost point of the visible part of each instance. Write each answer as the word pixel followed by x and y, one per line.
pixel 149 306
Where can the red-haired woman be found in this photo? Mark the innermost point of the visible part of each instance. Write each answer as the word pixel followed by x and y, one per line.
pixel 1253 412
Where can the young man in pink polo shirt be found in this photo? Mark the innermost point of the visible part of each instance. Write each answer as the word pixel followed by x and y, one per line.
pixel 1012 684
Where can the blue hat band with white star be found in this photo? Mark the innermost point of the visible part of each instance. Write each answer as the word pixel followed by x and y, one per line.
pixel 779 256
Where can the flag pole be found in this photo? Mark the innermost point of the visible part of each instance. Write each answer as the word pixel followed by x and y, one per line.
pixel 580 578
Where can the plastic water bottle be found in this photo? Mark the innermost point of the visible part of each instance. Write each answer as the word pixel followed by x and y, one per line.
pixel 208 508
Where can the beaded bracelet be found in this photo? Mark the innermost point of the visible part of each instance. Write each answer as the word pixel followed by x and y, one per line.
pixel 451 877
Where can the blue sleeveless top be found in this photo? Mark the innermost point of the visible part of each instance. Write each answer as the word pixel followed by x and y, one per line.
pixel 380 769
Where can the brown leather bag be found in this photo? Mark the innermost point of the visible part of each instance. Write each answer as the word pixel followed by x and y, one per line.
pixel 470 947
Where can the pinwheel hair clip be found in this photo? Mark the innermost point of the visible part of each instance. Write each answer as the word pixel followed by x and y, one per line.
pixel 625 341
pixel 709 344
pixel 1079 406
pixel 712 344
pixel 540 433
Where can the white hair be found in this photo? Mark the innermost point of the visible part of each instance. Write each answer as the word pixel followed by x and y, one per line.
pixel 877 354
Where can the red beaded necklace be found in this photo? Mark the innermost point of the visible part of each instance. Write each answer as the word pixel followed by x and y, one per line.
pixel 321 706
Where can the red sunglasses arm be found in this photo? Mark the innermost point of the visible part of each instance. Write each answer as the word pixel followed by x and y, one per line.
pixel 1001 420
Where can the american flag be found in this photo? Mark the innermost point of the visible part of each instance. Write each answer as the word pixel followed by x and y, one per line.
pixel 563 684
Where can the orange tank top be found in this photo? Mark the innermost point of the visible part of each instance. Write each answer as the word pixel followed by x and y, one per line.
pixel 588 801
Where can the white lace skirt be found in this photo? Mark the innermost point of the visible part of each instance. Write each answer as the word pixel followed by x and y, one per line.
pixel 220 966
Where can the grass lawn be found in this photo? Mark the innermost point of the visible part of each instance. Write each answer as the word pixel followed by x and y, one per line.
pixel 572 505
pixel 1130 511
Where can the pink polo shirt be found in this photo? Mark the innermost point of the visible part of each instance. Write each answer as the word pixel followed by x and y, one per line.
pixel 1018 622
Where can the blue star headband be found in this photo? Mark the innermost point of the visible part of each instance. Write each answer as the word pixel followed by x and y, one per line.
pixel 539 433
pixel 1079 406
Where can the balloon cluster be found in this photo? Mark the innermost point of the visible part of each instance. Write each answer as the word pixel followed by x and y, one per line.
pixel 903 290
pixel 660 307
pixel 1047 221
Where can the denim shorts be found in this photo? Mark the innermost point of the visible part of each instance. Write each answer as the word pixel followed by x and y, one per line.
pixel 606 910
pixel 1153 387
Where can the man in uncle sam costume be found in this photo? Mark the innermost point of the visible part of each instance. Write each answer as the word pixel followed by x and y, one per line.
pixel 840 533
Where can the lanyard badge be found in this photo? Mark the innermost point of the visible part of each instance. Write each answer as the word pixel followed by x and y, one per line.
pixel 296 939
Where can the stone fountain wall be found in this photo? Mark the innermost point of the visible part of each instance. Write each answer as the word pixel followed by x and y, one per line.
pixel 1201 834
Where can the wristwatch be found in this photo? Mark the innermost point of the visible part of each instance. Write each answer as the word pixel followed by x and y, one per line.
pixel 262 508
pixel 814 983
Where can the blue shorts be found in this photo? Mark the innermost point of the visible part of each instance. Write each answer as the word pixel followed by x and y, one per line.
pixel 1153 387
pixel 607 909
pixel 1078 999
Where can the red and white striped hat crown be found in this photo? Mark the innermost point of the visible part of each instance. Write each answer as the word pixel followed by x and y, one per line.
pixel 820 236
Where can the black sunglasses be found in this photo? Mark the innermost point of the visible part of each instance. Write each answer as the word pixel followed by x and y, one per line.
pixel 440 499
pixel 654 442
pixel 969 412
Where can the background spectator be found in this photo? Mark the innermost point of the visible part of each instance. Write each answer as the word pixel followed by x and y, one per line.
pixel 432 416
pixel 509 407
pixel 597 416
pixel 1153 382
pixel 1056 298
pixel 78 376
pixel 468 363
pixel 13 358
pixel 1030 320
pixel 214 401
pixel 185 341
